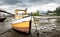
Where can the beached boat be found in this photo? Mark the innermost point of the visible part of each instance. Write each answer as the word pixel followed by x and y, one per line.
pixel 2 19
pixel 23 24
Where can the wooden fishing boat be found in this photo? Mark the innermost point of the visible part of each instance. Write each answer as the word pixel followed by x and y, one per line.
pixel 23 24
pixel 2 19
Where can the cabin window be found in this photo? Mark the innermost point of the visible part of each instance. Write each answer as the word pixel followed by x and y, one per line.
pixel 21 13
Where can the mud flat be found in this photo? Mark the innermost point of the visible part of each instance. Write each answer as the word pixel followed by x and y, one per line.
pixel 13 33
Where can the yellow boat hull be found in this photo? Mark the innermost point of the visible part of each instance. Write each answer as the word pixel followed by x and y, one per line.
pixel 23 26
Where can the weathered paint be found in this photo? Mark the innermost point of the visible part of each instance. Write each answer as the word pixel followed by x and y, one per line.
pixel 21 24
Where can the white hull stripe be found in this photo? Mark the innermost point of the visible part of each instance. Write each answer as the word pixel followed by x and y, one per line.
pixel 20 20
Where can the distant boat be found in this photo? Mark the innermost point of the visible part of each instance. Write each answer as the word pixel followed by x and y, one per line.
pixel 2 19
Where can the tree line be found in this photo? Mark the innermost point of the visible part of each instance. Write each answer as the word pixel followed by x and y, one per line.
pixel 56 11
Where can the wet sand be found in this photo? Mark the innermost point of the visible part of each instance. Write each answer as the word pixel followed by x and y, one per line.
pixel 13 33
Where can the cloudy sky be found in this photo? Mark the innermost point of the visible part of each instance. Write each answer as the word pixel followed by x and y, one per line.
pixel 32 5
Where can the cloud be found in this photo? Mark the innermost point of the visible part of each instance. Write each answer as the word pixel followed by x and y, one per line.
pixel 45 7
pixel 11 2
pixel 32 5
pixel 27 3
